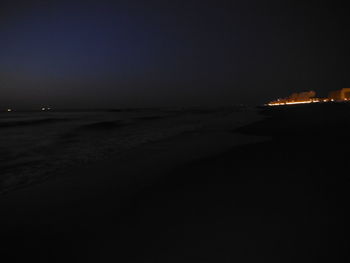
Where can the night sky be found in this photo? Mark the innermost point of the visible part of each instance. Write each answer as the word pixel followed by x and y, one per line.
pixel 169 53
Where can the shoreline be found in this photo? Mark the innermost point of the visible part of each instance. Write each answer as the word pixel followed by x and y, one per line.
pixel 86 193
pixel 165 154
pixel 56 148
pixel 65 200
pixel 250 202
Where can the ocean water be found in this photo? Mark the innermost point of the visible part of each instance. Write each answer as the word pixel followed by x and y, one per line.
pixel 37 145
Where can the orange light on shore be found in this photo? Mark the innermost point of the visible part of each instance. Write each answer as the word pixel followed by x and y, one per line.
pixel 309 97
pixel 291 102
pixel 300 102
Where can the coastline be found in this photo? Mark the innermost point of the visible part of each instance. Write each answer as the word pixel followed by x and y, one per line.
pixel 281 198
pixel 95 193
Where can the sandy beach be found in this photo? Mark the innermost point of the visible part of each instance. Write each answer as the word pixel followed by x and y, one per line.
pixel 269 191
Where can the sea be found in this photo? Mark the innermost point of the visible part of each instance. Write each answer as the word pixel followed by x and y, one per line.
pixel 34 146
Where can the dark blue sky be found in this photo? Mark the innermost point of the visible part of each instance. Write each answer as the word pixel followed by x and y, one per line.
pixel 168 53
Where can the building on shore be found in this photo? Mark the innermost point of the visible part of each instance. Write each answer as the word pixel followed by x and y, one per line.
pixel 309 97
pixel 340 95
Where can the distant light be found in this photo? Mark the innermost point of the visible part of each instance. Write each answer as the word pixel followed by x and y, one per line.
pixel 299 102
pixel 43 109
pixel 9 110
pixel 290 102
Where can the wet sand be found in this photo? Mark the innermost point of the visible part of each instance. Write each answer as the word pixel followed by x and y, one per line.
pixel 281 199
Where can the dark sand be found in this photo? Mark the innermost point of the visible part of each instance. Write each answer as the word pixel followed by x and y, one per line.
pixel 280 200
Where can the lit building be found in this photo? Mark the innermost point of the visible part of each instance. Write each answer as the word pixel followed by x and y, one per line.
pixel 340 95
pixel 296 98
pixel 308 97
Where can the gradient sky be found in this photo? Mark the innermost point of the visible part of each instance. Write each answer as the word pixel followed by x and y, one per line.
pixel 168 53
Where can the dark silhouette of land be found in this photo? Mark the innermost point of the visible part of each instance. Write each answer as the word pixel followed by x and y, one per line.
pixel 283 199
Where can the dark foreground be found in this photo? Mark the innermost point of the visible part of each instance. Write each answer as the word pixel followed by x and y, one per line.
pixel 282 200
